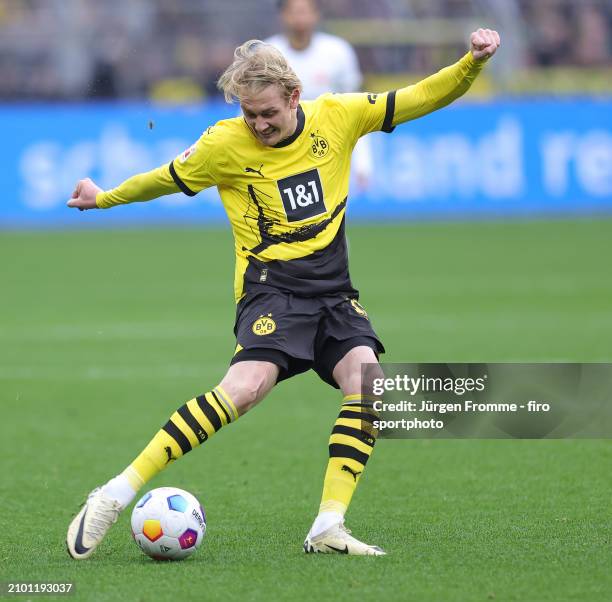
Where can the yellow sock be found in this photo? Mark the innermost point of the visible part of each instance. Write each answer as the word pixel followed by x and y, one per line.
pixel 192 424
pixel 350 446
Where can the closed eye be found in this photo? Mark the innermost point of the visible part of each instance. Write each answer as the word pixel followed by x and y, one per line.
pixel 250 115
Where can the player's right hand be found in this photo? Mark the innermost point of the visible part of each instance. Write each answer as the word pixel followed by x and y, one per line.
pixel 84 195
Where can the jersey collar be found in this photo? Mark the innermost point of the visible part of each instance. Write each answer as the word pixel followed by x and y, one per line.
pixel 301 119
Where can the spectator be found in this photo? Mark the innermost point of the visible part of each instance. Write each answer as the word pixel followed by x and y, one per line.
pixel 551 35
pixel 593 36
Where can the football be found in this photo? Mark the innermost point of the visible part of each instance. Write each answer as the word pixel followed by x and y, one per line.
pixel 168 523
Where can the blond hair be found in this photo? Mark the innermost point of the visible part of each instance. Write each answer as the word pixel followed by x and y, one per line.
pixel 256 66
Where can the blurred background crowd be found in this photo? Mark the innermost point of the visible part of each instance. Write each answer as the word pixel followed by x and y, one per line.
pixel 157 49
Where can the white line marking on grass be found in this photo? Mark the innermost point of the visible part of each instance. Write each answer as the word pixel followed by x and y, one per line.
pixel 117 331
pixel 63 373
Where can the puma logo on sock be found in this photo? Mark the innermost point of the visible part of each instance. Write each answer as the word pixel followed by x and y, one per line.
pixel 348 469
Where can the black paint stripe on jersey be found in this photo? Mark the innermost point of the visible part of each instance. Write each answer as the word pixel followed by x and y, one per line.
pixel 176 434
pixel 194 425
pixel 297 235
pixel 301 120
pixel 323 272
pixel 209 412
pixel 221 406
pixel 184 188
pixel 337 450
pixel 340 429
pixel 356 416
pixel 389 113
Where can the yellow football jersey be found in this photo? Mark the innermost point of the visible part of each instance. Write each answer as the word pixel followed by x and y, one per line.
pixel 286 203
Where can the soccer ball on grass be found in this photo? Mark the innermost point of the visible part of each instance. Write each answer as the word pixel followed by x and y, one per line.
pixel 168 523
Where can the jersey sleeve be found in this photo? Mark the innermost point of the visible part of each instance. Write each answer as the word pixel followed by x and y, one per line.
pixel 193 170
pixel 365 112
pixel 436 91
pixel 197 168
pixel 138 188
pixel 368 112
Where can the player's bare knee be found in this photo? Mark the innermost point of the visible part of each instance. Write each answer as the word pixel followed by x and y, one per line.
pixel 244 394
pixel 348 371
pixel 247 383
pixel 250 392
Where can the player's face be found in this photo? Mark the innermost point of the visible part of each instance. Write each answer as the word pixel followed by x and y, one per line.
pixel 271 116
pixel 300 16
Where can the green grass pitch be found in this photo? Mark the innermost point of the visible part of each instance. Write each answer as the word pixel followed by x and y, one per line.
pixel 105 333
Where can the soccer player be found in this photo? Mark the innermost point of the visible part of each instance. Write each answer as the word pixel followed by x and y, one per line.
pixel 282 173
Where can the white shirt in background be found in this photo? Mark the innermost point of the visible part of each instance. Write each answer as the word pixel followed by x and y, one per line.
pixel 328 64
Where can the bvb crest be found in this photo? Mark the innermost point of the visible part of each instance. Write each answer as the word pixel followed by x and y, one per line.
pixel 319 145
pixel 264 325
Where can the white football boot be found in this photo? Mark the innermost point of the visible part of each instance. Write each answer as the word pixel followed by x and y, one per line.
pixel 338 540
pixel 90 525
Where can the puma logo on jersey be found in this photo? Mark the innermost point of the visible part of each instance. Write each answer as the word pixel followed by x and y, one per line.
pixel 252 170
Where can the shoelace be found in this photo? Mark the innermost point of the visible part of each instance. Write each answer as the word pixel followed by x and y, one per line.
pixel 343 528
pixel 106 513
pixel 348 532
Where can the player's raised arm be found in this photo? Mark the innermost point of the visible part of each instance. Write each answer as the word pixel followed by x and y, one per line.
pixel 440 89
pixel 141 187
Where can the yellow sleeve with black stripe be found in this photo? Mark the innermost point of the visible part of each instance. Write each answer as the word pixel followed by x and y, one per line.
pixel 365 113
pixel 362 112
pixel 199 167
pixel 190 172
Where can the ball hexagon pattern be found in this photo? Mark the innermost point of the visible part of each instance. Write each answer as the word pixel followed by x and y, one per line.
pixel 177 502
pixel 188 539
pixel 152 529
pixel 168 523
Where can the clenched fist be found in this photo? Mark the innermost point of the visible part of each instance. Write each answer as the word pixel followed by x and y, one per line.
pixel 484 43
pixel 84 195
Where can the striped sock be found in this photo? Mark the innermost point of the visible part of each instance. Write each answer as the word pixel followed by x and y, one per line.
pixel 192 424
pixel 350 446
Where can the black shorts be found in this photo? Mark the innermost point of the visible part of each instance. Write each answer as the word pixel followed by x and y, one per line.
pixel 299 333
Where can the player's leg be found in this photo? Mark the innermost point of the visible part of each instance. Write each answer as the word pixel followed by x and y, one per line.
pixel 245 384
pixel 353 435
pixel 345 341
pixel 350 446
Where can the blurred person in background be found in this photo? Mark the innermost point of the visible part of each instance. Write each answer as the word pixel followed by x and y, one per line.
pixel 593 35
pixel 550 33
pixel 323 62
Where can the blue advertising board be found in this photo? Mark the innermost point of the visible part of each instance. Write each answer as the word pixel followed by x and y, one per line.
pixel 471 159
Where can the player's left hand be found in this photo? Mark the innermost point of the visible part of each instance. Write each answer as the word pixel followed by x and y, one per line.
pixel 484 43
